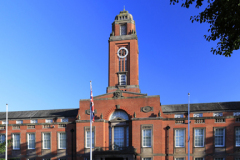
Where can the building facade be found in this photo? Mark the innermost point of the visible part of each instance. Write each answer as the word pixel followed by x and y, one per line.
pixel 129 125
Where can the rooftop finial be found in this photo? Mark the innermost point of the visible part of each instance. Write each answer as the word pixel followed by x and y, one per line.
pixel 123 8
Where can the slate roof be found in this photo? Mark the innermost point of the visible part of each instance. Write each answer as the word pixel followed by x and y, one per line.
pixel 40 114
pixel 201 107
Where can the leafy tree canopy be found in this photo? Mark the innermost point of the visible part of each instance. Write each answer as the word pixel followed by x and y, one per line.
pixel 223 17
pixel 2 146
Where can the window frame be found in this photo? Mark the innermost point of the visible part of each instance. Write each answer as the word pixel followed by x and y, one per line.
pixel 43 140
pixel 144 145
pixel 29 141
pixel 178 115
pixel 46 120
pixel 198 115
pixel 33 121
pixel 19 121
pixel 64 119
pixel 224 137
pixel 119 118
pixel 195 138
pixel 1 139
pixel 179 157
pixel 199 157
pixel 87 129
pixel 144 158
pixel 121 83
pixel 59 147
pixel 13 137
pixel 120 29
pixel 147 127
pixel 184 137
pixel 236 136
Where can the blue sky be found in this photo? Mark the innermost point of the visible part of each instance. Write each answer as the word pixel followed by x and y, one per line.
pixel 50 50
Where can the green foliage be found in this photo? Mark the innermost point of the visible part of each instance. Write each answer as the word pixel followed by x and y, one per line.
pixel 2 146
pixel 223 17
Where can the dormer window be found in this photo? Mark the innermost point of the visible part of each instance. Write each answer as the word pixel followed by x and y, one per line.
pixel 123 29
pixel 48 121
pixel 178 116
pixel 19 122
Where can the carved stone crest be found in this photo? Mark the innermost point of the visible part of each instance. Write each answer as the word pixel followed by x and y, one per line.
pixel 88 111
pixel 117 94
pixel 146 109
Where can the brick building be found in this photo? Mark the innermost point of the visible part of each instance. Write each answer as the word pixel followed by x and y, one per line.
pixel 129 125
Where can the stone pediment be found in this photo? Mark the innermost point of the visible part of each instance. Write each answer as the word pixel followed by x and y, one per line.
pixel 118 94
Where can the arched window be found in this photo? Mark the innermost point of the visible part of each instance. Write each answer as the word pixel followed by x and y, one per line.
pixel 118 130
pixel 119 114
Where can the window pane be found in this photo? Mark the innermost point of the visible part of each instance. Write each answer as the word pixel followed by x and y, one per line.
pixel 237 134
pixel 118 137
pixel 16 141
pixel 118 114
pixel 110 137
pixel 147 158
pixel 127 134
pixel 19 122
pixel 122 79
pixel 125 63
pixel 122 64
pixel 88 139
pixel 179 158
pixel 31 141
pixel 33 121
pixel 64 120
pixel 179 138
pixel 119 64
pixel 147 138
pixel 199 159
pixel 62 140
pixel 2 138
pixel 48 120
pixel 219 137
pixel 46 140
pixel 199 137
pixel 123 29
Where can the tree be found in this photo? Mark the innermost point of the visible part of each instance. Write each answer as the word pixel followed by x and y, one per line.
pixel 223 17
pixel 2 147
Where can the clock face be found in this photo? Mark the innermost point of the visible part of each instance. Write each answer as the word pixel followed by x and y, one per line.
pixel 122 52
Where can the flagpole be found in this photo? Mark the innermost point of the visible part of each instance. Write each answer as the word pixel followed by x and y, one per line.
pixel 90 121
pixel 90 138
pixel 6 151
pixel 188 126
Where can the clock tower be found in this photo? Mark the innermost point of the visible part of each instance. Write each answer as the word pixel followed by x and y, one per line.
pixel 123 55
